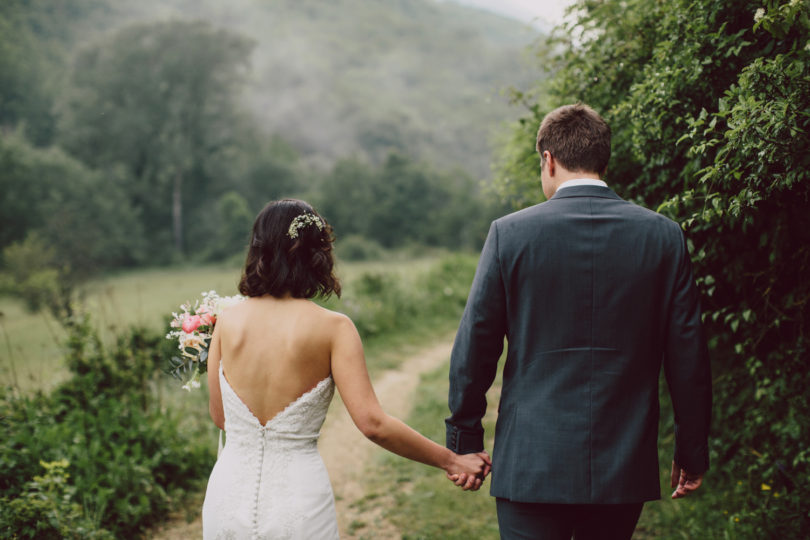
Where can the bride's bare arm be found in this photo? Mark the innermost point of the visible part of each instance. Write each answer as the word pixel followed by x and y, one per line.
pixel 351 377
pixel 215 407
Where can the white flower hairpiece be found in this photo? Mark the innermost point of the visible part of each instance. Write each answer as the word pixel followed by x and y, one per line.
pixel 302 221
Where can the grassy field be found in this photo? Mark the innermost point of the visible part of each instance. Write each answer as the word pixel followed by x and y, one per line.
pixel 31 343
pixel 423 503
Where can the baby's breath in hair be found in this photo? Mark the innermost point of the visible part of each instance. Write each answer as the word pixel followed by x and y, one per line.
pixel 301 221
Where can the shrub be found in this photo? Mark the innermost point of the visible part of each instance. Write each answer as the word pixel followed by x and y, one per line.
pixel 46 509
pixel 358 248
pixel 381 303
pixel 121 455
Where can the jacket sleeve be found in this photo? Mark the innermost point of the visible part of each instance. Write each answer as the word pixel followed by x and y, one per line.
pixel 477 348
pixel 687 369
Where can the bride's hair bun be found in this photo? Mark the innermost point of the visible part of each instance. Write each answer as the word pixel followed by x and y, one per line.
pixel 290 252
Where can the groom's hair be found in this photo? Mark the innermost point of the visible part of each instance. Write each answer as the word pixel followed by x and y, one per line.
pixel 577 137
pixel 290 252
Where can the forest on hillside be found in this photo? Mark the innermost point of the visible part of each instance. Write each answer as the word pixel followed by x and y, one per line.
pixel 147 133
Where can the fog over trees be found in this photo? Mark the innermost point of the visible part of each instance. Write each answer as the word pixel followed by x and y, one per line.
pixel 186 117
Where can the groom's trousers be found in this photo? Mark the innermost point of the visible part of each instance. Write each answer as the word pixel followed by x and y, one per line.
pixel 542 521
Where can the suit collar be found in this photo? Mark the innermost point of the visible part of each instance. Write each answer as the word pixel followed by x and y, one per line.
pixel 585 191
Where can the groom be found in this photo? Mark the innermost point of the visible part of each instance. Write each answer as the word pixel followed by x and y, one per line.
pixel 593 294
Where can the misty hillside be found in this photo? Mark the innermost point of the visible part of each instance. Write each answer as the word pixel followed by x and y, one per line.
pixel 354 77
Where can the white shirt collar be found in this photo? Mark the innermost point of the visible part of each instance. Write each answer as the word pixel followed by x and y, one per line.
pixel 581 182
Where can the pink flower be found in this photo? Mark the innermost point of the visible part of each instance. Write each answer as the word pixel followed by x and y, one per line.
pixel 191 323
pixel 206 317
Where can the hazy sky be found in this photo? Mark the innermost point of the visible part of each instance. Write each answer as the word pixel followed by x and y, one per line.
pixel 544 13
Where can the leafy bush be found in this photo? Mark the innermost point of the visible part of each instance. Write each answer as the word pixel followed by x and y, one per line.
pixel 709 102
pixel 121 455
pixel 404 201
pixel 47 509
pixel 29 272
pixel 358 248
pixel 381 303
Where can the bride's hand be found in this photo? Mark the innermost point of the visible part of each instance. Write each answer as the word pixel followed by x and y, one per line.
pixel 469 470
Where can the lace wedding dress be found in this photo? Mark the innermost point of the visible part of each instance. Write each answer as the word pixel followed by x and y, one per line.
pixel 269 482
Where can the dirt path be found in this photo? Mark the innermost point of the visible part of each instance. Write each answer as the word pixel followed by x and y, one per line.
pixel 347 453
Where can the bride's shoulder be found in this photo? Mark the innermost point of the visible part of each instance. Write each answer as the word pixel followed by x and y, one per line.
pixel 336 319
pixel 231 311
pixel 329 314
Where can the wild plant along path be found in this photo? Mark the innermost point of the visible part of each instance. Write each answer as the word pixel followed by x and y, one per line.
pixel 347 453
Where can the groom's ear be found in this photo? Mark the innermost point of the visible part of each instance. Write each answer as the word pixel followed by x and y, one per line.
pixel 549 162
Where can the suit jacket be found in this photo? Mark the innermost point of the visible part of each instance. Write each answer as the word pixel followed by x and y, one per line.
pixel 592 294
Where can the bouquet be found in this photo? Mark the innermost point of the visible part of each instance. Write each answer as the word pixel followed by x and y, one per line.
pixel 193 328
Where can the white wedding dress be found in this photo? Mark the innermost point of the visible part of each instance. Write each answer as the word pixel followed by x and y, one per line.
pixel 269 481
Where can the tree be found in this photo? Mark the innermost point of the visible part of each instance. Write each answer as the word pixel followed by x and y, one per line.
pixel 232 231
pixel 36 37
pixel 159 100
pixel 61 222
pixel 404 202
pixel 709 102
pixel 346 198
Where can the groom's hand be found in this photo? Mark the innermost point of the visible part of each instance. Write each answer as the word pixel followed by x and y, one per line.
pixel 684 482
pixel 487 463
pixel 473 482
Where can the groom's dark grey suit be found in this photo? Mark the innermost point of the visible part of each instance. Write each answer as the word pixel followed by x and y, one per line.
pixel 593 294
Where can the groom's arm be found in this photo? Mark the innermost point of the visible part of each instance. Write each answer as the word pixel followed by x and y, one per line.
pixel 477 347
pixel 687 370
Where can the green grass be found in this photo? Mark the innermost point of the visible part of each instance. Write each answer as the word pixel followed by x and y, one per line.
pixel 421 502
pixel 31 343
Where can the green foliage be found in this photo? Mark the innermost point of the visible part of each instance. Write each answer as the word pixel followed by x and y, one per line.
pixel 405 202
pixel 357 248
pixel 337 78
pixel 262 168
pixel 29 268
pixel 158 99
pixel 385 303
pixel 59 222
pixel 709 102
pixel 123 458
pixel 230 227
pixel 154 117
pixel 47 508
pixel 36 41
pixel 25 91
pixel 82 214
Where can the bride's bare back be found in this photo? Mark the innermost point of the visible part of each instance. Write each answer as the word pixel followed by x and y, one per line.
pixel 273 350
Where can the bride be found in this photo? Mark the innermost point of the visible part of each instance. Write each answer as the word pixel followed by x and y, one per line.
pixel 274 361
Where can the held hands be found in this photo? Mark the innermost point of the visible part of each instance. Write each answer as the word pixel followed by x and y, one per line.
pixel 684 482
pixel 469 470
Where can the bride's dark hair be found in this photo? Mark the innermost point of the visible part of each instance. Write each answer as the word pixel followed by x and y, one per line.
pixel 290 252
